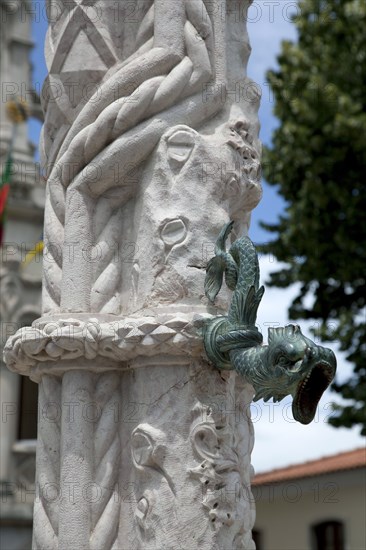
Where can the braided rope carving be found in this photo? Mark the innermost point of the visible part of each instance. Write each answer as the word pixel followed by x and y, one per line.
pixel 120 341
pixel 164 81
pixel 104 292
pixel 45 535
pixel 105 506
pixel 105 510
pixel 52 255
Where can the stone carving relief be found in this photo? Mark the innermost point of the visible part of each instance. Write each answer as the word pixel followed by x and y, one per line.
pixel 99 151
pixel 191 185
pixel 123 340
pixel 47 501
pixel 101 492
pixel 163 65
pixel 149 447
pixel 200 460
pixel 226 494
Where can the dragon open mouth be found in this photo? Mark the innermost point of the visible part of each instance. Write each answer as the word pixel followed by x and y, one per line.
pixel 310 390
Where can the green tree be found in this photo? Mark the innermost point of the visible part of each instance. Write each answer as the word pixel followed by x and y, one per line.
pixel 318 161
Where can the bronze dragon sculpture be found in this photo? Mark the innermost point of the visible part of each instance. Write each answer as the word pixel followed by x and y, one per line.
pixel 290 364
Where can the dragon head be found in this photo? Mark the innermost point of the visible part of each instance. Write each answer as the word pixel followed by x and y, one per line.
pixel 294 365
pixel 290 364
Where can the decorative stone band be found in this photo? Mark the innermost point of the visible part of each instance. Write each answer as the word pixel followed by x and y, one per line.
pixel 121 341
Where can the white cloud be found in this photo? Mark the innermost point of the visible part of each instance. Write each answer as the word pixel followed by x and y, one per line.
pixel 280 440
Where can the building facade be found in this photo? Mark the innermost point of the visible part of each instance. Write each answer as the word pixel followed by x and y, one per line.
pixel 317 505
pixel 20 284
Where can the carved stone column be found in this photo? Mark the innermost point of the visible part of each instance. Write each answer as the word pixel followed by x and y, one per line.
pixel 150 143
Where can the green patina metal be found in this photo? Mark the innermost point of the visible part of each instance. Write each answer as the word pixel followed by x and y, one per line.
pixel 290 364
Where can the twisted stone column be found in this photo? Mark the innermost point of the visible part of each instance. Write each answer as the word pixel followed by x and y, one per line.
pixel 150 146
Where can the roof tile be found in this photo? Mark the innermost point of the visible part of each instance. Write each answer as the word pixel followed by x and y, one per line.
pixel 341 461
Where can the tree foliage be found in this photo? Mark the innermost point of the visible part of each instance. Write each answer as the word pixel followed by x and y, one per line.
pixel 318 161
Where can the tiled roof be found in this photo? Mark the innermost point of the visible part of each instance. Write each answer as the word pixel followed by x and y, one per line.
pixel 335 463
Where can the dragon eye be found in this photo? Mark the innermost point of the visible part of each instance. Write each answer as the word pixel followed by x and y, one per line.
pixel 283 361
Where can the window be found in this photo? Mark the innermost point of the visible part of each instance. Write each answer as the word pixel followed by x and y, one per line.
pixel 328 535
pixel 28 409
pixel 28 399
pixel 256 536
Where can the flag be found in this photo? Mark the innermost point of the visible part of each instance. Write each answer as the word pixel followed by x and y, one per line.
pixel 4 192
pixel 17 112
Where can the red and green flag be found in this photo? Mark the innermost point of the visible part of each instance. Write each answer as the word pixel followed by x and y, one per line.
pixel 4 192
pixel 17 113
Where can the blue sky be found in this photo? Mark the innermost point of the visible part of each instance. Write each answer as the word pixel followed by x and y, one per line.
pixel 279 440
pixel 268 24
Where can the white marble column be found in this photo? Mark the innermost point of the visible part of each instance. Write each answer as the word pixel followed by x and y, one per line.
pixel 151 146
